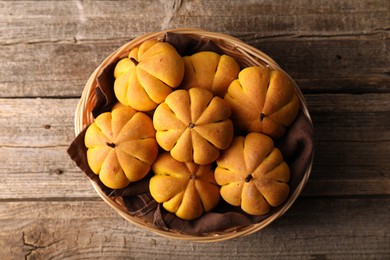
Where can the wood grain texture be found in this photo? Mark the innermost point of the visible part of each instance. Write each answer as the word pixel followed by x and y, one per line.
pixel 53 175
pixel 332 229
pixel 336 117
pixel 336 50
pixel 328 65
pixel 101 20
pixel 332 46
pixel 349 159
pixel 37 122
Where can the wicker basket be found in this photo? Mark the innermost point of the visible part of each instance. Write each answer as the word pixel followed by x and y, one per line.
pixel 247 56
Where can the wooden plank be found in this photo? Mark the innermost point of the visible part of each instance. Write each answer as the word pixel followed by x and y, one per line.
pixel 35 136
pixel 60 71
pixel 351 157
pixel 299 17
pixel 361 123
pixel 341 161
pixel 352 65
pixel 53 175
pixel 324 46
pixel 48 49
pixel 336 117
pixel 41 172
pixel 328 65
pixel 350 118
pixel 311 229
pixel 72 21
pixel 37 122
pixel 346 187
pixel 86 20
pixel 54 125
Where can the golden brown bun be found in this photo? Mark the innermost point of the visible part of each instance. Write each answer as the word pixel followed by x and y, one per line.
pixel 193 125
pixel 186 189
pixel 121 146
pixel 263 100
pixel 147 75
pixel 252 174
pixel 211 71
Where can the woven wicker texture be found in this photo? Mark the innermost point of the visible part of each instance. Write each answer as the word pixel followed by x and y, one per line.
pixel 246 55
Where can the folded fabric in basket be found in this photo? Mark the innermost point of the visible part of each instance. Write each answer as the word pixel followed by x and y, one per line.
pixel 296 147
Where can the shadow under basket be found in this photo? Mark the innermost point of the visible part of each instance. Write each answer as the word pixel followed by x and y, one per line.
pixel 245 55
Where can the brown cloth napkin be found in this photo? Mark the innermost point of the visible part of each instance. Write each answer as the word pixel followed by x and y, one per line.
pixel 296 146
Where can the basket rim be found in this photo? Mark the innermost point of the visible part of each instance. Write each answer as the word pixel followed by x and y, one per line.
pixel 257 57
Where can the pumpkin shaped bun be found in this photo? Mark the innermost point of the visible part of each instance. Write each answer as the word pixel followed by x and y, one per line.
pixel 121 146
pixel 147 75
pixel 186 189
pixel 263 100
pixel 210 70
pixel 252 174
pixel 193 125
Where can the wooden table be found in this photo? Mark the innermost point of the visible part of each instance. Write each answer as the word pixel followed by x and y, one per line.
pixel 338 52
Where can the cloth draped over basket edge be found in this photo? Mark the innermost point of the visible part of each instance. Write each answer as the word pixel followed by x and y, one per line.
pixel 296 146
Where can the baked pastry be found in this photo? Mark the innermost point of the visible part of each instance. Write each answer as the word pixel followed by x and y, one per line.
pixel 211 71
pixel 252 174
pixel 193 125
pixel 148 75
pixel 121 146
pixel 263 100
pixel 186 189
